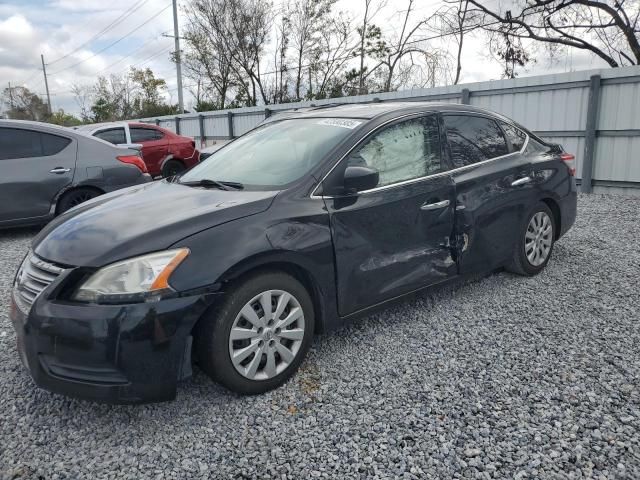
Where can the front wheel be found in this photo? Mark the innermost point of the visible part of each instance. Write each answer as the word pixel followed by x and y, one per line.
pixel 258 337
pixel 535 242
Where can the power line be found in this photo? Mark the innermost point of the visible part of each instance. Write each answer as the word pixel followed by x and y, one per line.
pixel 129 55
pixel 151 57
pixel 141 62
pixel 113 43
pixel 157 54
pixel 118 20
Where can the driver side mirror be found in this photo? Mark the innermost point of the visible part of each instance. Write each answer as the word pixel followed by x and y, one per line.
pixel 357 179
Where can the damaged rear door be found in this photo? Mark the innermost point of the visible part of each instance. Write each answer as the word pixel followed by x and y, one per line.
pixel 394 238
pixel 494 188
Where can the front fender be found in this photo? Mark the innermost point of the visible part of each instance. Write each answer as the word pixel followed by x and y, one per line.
pixel 224 253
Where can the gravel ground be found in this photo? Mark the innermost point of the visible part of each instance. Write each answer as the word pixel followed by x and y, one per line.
pixel 506 377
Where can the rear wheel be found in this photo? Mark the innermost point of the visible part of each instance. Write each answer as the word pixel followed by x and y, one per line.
pixel 173 167
pixel 535 241
pixel 260 334
pixel 75 197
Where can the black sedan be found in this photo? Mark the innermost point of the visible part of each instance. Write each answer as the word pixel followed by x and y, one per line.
pixel 294 228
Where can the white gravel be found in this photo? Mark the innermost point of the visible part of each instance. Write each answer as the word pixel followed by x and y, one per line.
pixel 506 377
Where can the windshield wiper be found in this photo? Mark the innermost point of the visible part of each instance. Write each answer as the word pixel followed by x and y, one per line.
pixel 208 183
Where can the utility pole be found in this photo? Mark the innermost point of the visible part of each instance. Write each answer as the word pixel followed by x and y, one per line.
pixel 46 84
pixel 10 96
pixel 176 37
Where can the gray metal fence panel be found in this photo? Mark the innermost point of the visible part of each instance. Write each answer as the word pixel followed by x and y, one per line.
pixel 190 127
pixel 169 124
pixel 617 159
pixel 216 127
pixel 242 123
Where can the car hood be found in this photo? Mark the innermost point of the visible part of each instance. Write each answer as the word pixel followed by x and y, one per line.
pixel 141 219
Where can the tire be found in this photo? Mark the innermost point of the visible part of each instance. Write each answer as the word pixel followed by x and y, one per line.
pixel 75 197
pixel 173 167
pixel 274 366
pixel 532 239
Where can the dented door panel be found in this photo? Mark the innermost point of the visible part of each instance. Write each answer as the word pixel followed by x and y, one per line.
pixel 387 245
pixel 489 211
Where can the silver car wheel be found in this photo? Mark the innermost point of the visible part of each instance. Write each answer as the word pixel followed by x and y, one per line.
pixel 266 335
pixel 538 239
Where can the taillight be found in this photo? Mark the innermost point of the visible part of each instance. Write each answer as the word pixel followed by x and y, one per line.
pixel 570 160
pixel 133 160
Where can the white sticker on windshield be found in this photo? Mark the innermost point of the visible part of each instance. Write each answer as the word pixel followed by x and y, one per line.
pixel 340 122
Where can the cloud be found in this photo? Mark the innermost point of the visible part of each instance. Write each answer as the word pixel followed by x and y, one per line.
pixel 57 28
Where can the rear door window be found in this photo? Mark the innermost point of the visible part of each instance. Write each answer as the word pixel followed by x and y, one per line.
pixel 19 143
pixel 516 136
pixel 139 134
pixel 473 139
pixel 112 135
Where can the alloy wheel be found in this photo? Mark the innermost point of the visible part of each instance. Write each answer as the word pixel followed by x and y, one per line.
pixel 266 335
pixel 81 197
pixel 538 239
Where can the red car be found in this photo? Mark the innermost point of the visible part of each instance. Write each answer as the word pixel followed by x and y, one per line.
pixel 164 152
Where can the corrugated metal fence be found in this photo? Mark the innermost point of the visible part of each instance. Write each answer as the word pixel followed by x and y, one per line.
pixel 594 114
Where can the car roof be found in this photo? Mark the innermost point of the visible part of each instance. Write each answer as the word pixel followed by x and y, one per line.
pixel 34 125
pixel 372 110
pixel 143 124
pixel 98 126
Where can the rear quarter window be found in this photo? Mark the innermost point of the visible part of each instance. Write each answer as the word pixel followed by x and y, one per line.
pixel 516 137
pixel 53 144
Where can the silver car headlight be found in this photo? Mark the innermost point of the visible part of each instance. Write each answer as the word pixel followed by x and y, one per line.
pixel 144 278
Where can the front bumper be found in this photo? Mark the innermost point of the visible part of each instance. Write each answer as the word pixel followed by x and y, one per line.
pixel 132 353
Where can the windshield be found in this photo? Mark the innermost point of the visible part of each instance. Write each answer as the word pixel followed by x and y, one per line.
pixel 275 154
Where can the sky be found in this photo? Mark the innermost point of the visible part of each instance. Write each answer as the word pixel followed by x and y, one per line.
pixel 71 35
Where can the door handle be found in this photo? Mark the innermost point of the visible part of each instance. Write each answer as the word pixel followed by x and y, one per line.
pixel 435 206
pixel 60 170
pixel 521 181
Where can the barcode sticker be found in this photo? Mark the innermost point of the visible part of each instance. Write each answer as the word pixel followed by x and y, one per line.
pixel 340 122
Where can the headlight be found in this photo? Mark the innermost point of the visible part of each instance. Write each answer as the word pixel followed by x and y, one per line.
pixel 144 278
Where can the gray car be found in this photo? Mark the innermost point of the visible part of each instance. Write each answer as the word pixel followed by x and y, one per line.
pixel 46 170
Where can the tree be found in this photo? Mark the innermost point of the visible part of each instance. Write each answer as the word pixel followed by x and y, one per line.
pixel 206 62
pixel 455 21
pixel 24 105
pixel 395 51
pixel 509 51
pixel 281 88
pixel 133 95
pixel 330 56
pixel 112 99
pixel 147 99
pixel 307 19
pixel 237 32
pixel 369 41
pixel 63 119
pixel 609 29
pixel 82 95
